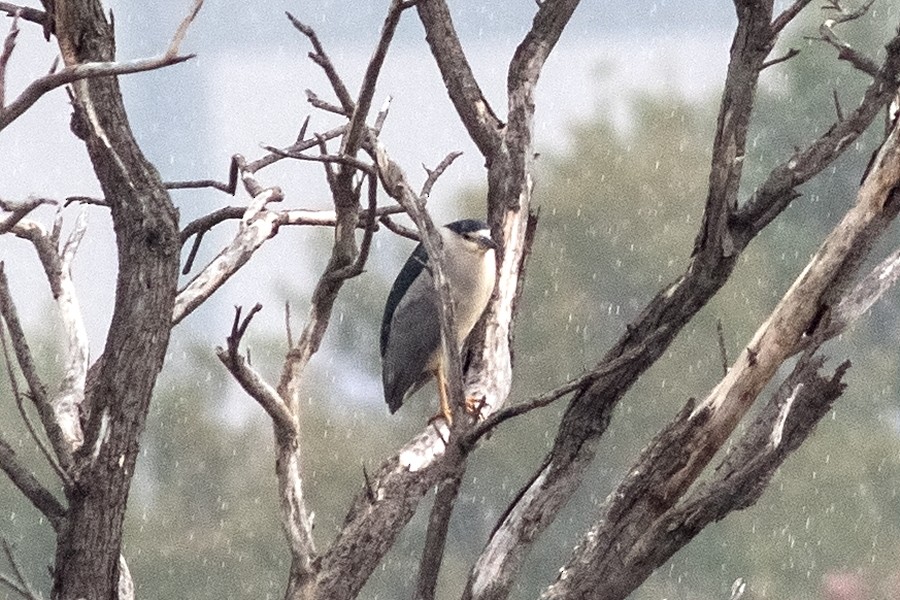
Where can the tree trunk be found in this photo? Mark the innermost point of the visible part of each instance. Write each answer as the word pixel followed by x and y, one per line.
pixel 118 397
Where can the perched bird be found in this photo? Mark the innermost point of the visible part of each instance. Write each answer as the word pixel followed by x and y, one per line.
pixel 410 329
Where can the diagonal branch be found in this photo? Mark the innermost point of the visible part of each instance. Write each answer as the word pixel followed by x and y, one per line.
pixel 320 57
pixel 28 484
pixel 253 233
pixel 753 40
pixel 769 199
pixel 76 72
pixel 846 51
pixel 38 392
pixel 473 108
pixel 356 130
pixel 21 477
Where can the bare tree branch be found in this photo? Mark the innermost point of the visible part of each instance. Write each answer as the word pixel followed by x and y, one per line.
pixel 354 137
pixel 28 484
pixel 436 535
pixel 252 234
pixel 38 392
pixel 434 175
pixel 19 211
pixel 399 229
pixel 680 453
pixel 791 53
pixel 228 188
pixel 845 51
pixel 320 57
pixel 36 89
pixel 473 108
pixel 249 379
pixel 788 15
pixel 20 404
pixel 21 477
pixel 753 40
pixel 25 12
pixel 8 44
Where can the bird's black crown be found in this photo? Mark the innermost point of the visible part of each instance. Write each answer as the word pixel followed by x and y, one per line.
pixel 467 226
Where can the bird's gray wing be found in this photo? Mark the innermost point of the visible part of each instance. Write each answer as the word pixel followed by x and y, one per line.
pixel 409 351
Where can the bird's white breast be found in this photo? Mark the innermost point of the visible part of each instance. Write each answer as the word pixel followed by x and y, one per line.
pixel 471 281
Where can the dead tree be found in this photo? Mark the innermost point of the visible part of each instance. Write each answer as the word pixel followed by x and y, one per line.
pixel 93 422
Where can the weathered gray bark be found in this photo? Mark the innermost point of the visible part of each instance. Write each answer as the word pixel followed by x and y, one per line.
pixel 146 227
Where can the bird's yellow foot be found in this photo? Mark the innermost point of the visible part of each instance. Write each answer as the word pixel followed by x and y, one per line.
pixel 475 406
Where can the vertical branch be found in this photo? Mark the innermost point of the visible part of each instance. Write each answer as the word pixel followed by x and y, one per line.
pixel 753 40
pixel 148 243
pixel 9 43
pixel 436 535
pixel 67 402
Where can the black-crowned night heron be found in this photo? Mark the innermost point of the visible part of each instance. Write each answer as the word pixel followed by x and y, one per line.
pixel 410 329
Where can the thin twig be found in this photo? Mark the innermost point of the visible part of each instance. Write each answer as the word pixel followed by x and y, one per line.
pixel 582 381
pixel 789 55
pixel 845 51
pixel 399 229
pixel 437 172
pixel 199 183
pixel 317 102
pixel 320 57
pixel 837 105
pixel 300 146
pixel 354 137
pixel 8 45
pixel 239 327
pixel 844 15
pixel 723 353
pixel 326 158
pixel 192 255
pixel 787 15
pixel 28 368
pixel 90 200
pixel 287 324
